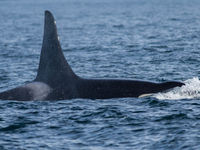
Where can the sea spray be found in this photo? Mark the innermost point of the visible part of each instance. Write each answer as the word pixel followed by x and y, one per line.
pixel 190 90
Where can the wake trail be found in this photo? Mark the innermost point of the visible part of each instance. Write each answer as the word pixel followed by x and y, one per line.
pixel 191 90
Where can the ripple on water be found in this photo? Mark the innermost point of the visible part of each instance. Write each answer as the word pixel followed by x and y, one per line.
pixel 129 39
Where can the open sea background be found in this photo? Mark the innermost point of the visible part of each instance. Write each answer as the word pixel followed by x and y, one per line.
pixel 153 40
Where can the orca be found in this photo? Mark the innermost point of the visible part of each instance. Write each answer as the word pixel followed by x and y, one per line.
pixel 56 80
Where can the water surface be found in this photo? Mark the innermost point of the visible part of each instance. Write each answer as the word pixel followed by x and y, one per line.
pixel 145 40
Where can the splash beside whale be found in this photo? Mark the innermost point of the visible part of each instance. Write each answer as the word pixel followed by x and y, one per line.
pixel 56 80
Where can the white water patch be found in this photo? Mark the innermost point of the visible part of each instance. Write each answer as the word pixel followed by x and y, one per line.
pixel 190 90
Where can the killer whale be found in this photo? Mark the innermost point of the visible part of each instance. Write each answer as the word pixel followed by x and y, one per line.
pixel 56 80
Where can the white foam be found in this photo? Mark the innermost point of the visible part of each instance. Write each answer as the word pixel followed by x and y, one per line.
pixel 190 90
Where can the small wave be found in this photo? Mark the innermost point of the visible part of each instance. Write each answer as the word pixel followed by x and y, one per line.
pixel 190 90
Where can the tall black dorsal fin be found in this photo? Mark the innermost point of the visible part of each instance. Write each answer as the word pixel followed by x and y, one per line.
pixel 53 67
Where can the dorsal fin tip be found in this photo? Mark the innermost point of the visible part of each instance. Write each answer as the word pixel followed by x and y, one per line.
pixel 49 16
pixel 50 30
pixel 47 12
pixel 52 61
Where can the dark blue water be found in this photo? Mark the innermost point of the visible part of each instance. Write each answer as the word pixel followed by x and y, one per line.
pixel 150 40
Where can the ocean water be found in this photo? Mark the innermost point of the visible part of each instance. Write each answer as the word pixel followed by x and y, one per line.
pixel 153 40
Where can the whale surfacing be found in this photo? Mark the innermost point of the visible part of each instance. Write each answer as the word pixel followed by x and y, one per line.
pixel 56 80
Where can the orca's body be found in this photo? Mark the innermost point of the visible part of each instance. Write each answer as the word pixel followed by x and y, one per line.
pixel 56 80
